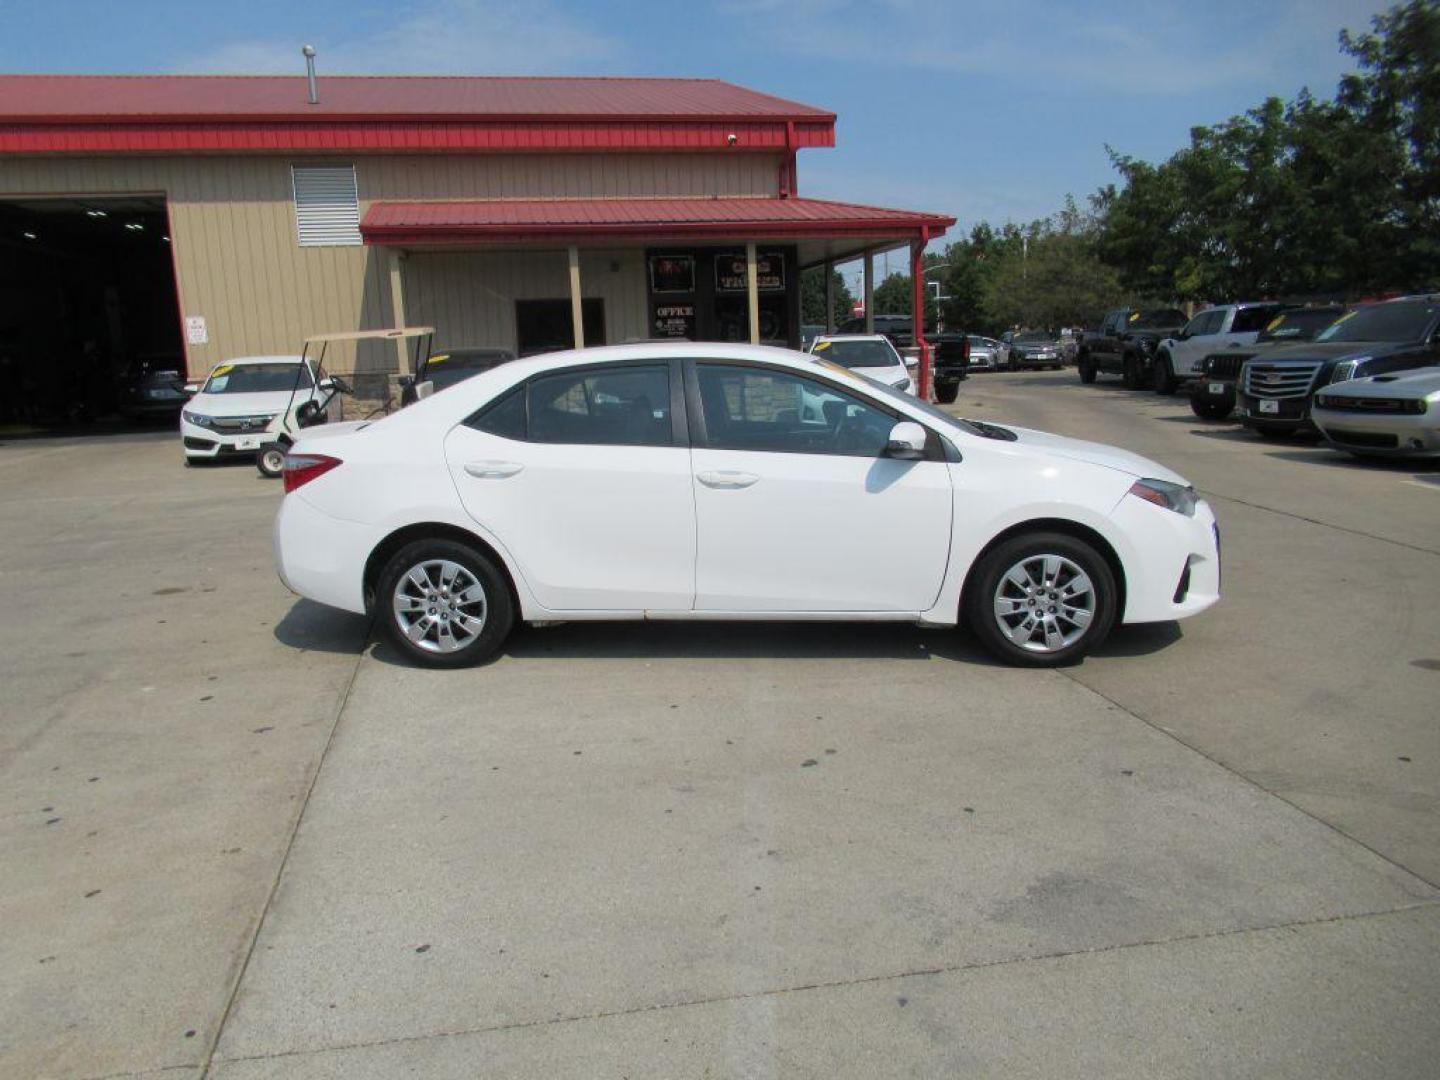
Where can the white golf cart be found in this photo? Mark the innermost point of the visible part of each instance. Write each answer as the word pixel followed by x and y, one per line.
pixel 283 430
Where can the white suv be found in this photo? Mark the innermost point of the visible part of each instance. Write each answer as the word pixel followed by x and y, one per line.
pixel 1178 359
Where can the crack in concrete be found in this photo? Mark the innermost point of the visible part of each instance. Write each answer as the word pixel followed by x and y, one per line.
pixel 863 980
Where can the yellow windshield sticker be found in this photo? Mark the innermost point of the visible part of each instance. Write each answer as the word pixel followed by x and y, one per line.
pixel 223 369
pixel 1275 322
pixel 440 359
pixel 1345 318
pixel 821 346
pixel 1134 315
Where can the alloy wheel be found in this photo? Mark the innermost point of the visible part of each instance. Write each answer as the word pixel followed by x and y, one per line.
pixel 439 605
pixel 1044 603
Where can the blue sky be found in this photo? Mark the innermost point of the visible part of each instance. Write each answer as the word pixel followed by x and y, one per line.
pixel 985 109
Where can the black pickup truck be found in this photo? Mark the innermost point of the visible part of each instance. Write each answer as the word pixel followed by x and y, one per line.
pixel 1125 344
pixel 950 348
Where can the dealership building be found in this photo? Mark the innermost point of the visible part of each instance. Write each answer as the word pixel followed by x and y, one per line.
pixel 199 218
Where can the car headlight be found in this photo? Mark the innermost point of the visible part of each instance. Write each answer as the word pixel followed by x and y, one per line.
pixel 1163 493
pixel 1349 369
pixel 195 418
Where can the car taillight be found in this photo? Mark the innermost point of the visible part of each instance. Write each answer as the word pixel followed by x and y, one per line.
pixel 300 469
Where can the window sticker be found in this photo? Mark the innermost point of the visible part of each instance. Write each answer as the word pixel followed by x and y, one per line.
pixel 439 358
pixel 821 346
pixel 1275 322
pixel 223 369
pixel 1134 315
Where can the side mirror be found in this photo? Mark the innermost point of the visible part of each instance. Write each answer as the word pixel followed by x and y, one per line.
pixel 424 390
pixel 906 442
pixel 326 384
pixel 191 388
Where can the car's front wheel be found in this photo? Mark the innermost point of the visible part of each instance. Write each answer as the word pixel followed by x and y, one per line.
pixel 1041 599
pixel 444 604
pixel 1210 410
pixel 1165 381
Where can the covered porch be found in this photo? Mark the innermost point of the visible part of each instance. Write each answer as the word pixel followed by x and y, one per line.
pixel 723 269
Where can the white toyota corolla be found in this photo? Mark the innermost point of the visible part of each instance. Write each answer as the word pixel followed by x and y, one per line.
pixel 709 481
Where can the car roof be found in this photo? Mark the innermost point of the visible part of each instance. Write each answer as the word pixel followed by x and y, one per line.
pixel 237 361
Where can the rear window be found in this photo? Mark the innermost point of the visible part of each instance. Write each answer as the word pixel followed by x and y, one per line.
pixel 857 354
pixel 1252 320
pixel 617 407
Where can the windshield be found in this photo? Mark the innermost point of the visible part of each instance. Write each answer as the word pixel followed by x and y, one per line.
pixel 858 354
pixel 1299 325
pixel 1403 321
pixel 1035 337
pixel 1155 320
pixel 256 378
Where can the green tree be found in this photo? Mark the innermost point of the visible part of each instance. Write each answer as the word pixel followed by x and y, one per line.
pixel 1053 278
pixel 894 296
pixel 812 296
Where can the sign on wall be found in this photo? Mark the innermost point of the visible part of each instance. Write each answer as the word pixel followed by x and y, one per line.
pixel 674 321
pixel 769 272
pixel 672 273
pixel 196 333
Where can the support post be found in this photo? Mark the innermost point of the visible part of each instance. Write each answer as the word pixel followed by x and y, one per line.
pixel 577 309
pixel 397 308
pixel 829 296
pixel 869 292
pixel 752 290
pixel 917 282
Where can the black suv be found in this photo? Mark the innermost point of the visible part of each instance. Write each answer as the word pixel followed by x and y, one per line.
pixel 1276 388
pixel 1125 344
pixel 950 348
pixel 1212 394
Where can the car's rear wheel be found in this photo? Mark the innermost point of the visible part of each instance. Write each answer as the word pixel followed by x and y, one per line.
pixel 1132 373
pixel 1210 410
pixel 1087 370
pixel 1041 599
pixel 946 393
pixel 444 604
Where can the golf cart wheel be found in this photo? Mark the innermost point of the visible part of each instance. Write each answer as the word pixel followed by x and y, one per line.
pixel 1041 599
pixel 443 604
pixel 270 459
pixel 1210 410
pixel 946 393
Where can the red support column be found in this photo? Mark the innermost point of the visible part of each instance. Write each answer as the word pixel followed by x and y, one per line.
pixel 917 281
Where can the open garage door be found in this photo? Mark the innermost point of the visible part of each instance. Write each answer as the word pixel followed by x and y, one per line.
pixel 89 322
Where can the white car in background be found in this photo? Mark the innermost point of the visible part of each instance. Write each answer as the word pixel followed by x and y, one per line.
pixel 871 355
pixel 229 413
pixel 684 481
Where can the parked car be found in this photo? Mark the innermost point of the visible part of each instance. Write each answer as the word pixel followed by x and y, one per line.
pixel 870 355
pixel 1036 349
pixel 1212 394
pixel 1177 359
pixel 231 411
pixel 670 482
pixel 452 366
pixel 1276 388
pixel 153 388
pixel 808 333
pixel 1125 343
pixel 1002 350
pixel 982 354
pixel 1394 415
pixel 950 349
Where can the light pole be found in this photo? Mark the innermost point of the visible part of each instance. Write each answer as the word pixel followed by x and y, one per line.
pixel 939 317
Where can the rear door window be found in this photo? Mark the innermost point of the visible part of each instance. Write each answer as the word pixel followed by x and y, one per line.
pixel 623 406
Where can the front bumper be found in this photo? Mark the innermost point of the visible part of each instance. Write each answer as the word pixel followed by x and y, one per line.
pixel 1172 569
pixel 1393 435
pixel 1287 413
pixel 207 443
pixel 1213 391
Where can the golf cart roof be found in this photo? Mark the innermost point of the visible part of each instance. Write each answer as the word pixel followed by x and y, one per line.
pixel 393 334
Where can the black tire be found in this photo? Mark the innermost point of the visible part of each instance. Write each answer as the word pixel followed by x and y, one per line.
pixel 1133 374
pixel 1210 410
pixel 498 611
pixel 1087 370
pixel 270 459
pixel 985 581
pixel 1164 378
pixel 946 393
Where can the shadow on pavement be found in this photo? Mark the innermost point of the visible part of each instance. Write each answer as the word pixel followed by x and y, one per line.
pixel 1141 639
pixel 312 627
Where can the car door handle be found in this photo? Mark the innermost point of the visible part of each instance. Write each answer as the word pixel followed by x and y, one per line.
pixel 726 478
pixel 493 470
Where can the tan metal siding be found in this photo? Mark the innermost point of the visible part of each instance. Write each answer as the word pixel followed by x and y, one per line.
pixel 239 265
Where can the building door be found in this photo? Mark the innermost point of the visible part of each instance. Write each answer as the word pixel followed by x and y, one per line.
pixel 543 326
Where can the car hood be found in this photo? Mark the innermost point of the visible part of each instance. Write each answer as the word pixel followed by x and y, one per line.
pixel 1330 350
pixel 890 375
pixel 268 402
pixel 1092 453
pixel 1413 385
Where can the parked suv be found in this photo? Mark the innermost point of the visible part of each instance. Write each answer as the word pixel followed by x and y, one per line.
pixel 1177 359
pixel 1212 394
pixel 1126 342
pixel 1276 387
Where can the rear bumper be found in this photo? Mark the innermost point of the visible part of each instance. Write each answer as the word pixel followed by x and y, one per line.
pixel 320 557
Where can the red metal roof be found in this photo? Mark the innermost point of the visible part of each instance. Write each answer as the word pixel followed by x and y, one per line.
pixel 59 114
pixel 521 221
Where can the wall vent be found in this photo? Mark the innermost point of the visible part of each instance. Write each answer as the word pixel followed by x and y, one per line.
pixel 327 205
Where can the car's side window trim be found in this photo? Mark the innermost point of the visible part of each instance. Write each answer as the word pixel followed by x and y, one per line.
pixel 699 435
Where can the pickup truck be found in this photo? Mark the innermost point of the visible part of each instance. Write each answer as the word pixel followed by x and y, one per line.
pixel 1177 359
pixel 1125 344
pixel 950 349
pixel 1277 387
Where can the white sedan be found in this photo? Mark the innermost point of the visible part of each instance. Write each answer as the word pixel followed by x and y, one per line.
pixel 720 481
pixel 231 411
pixel 871 355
